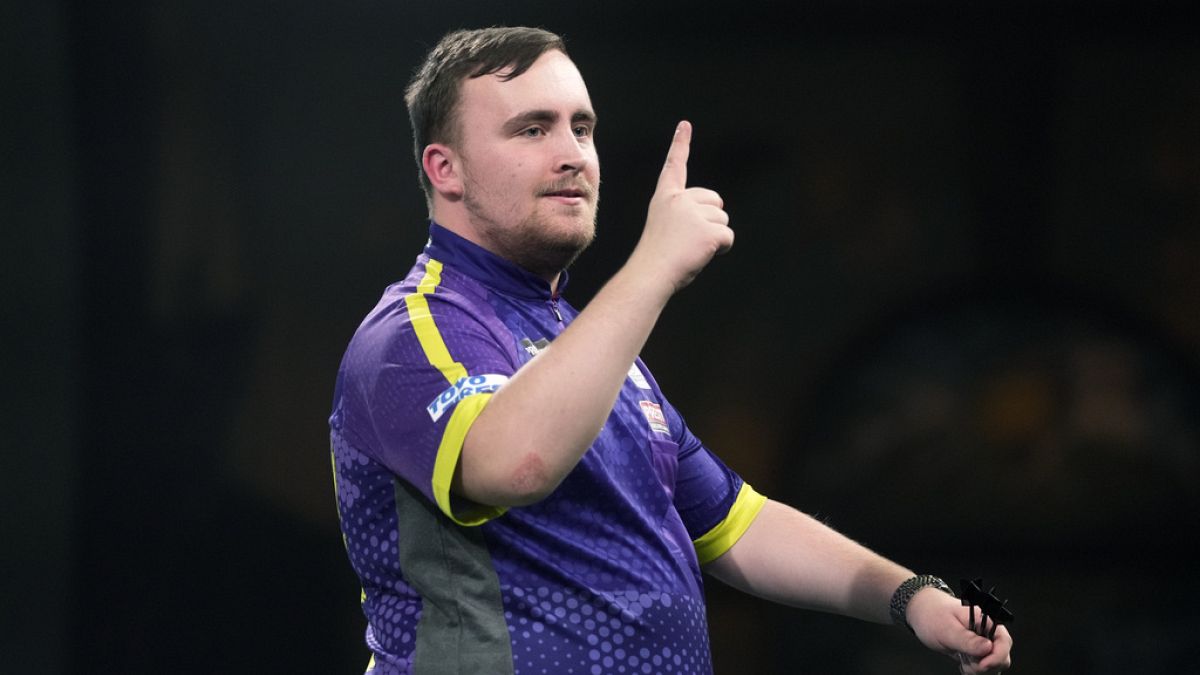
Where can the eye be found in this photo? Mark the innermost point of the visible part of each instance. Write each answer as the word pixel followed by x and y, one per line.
pixel 583 131
pixel 532 132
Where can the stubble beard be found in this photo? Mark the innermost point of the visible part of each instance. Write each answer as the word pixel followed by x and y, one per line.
pixel 535 243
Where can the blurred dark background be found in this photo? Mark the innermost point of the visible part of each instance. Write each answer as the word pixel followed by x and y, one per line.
pixel 961 322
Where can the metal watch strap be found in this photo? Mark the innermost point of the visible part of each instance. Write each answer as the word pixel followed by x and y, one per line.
pixel 906 590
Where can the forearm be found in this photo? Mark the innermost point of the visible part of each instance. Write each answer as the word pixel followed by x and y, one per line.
pixel 791 558
pixel 537 427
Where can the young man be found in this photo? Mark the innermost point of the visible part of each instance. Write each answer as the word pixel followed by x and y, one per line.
pixel 516 493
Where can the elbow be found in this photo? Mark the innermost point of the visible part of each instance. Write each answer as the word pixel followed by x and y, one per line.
pixel 529 481
pixel 519 482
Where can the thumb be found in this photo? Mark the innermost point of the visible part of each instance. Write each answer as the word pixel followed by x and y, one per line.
pixel 674 171
pixel 974 645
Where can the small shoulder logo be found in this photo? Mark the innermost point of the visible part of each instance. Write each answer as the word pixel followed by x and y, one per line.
pixel 654 415
pixel 464 387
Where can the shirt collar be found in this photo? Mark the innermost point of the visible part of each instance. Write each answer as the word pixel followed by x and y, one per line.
pixel 487 267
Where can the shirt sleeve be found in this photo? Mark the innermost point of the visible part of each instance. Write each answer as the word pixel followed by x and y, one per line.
pixel 716 505
pixel 423 369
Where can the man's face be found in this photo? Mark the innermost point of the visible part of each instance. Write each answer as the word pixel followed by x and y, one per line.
pixel 531 176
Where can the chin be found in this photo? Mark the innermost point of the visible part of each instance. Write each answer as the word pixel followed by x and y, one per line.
pixel 548 250
pixel 563 231
pixel 560 252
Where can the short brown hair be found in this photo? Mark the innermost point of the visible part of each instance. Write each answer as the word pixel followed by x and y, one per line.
pixel 433 93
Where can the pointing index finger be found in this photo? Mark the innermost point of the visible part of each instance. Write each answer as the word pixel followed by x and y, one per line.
pixel 674 171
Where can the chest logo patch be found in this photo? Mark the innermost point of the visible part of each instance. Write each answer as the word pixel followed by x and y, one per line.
pixel 654 415
pixel 638 378
pixel 532 348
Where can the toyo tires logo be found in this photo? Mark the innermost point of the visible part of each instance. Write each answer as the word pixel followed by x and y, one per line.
pixel 464 387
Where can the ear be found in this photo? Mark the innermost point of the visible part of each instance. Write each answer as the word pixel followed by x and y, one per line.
pixel 441 165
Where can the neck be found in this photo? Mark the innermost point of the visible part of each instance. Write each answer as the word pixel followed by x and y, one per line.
pixel 457 221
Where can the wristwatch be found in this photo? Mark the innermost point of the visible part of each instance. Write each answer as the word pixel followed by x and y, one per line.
pixel 906 590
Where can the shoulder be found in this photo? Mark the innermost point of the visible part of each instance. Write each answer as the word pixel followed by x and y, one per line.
pixel 435 315
pixel 430 294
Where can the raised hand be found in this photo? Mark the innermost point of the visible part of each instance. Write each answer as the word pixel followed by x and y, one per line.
pixel 685 227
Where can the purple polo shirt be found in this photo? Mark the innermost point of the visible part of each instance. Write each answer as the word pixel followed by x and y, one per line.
pixel 601 576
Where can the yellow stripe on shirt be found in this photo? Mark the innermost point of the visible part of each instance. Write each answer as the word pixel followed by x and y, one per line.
pixel 714 543
pixel 447 458
pixel 465 411
pixel 427 331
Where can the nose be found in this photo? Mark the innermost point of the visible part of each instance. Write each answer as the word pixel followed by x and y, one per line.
pixel 572 156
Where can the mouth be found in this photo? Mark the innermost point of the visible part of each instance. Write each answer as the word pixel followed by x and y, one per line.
pixel 571 195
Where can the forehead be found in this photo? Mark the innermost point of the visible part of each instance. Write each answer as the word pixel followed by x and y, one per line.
pixel 552 83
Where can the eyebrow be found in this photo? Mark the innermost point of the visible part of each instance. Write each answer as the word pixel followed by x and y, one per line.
pixel 524 119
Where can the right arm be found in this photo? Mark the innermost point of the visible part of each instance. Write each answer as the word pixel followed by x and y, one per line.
pixel 536 428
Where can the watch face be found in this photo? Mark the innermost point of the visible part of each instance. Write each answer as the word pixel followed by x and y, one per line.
pixel 1076 426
